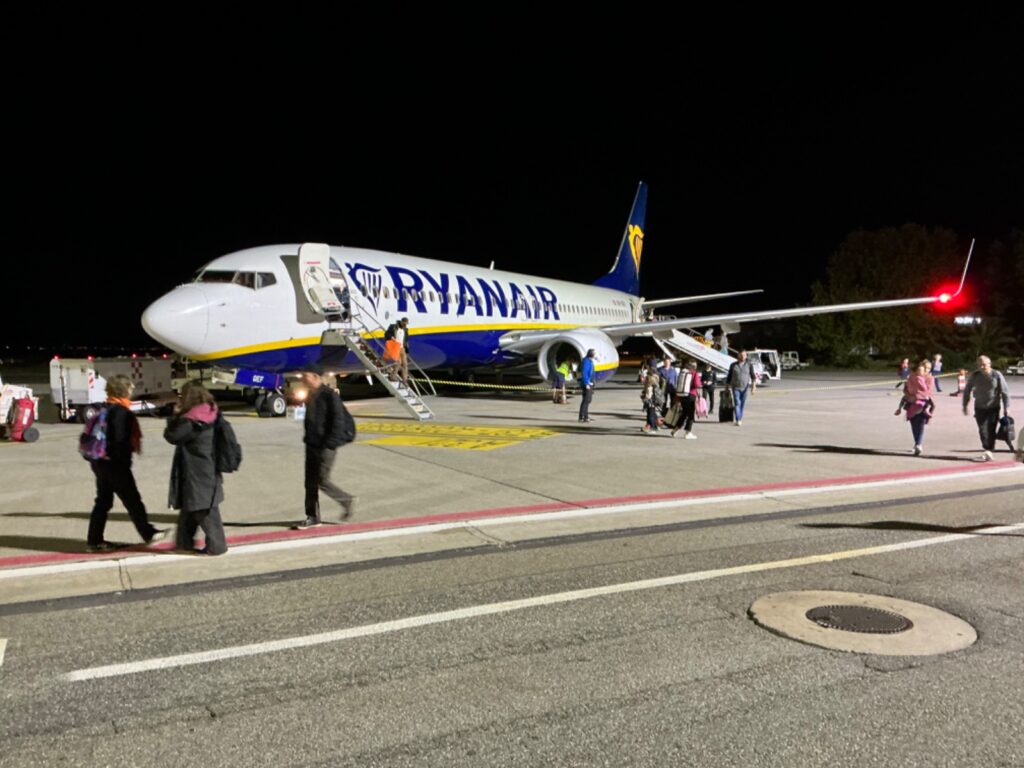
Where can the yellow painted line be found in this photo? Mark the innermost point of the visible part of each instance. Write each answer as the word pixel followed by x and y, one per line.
pixel 434 429
pixel 440 441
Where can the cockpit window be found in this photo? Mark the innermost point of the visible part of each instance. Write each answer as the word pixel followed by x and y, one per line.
pixel 215 276
pixel 246 279
pixel 266 278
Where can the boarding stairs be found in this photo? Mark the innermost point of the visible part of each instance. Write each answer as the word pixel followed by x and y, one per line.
pixel 675 343
pixel 352 335
pixel 352 323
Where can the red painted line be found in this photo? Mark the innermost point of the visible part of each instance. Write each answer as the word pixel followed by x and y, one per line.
pixel 484 514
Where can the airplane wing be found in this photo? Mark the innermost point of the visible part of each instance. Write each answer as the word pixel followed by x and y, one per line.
pixel 526 341
pixel 692 299
pixel 625 330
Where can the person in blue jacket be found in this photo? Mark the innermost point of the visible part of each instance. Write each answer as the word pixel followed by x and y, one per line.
pixel 587 385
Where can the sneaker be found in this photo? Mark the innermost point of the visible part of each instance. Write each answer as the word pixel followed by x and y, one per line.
pixel 159 534
pixel 309 522
pixel 348 508
pixel 986 455
pixel 673 433
pixel 103 546
pixel 689 436
pixel 917 450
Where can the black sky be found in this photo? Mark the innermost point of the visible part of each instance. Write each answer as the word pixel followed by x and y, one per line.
pixel 139 148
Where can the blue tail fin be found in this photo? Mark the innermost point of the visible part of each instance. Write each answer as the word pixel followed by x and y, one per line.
pixel 625 272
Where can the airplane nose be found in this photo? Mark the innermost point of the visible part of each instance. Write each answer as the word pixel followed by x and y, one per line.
pixel 180 320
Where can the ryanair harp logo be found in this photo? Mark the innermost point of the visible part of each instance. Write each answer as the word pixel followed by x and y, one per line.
pixel 636 244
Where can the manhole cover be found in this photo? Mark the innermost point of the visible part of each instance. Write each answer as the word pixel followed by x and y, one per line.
pixel 858 618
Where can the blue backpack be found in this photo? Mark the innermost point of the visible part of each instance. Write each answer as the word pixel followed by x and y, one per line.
pixel 92 443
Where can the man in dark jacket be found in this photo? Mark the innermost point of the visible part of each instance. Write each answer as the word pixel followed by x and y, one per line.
pixel 323 428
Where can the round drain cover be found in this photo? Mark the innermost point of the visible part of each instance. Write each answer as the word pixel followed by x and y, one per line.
pixel 859 618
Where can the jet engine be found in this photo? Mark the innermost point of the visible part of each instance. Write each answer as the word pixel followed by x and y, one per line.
pixel 573 345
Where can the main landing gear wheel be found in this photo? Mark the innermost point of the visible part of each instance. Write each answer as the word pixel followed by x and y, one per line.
pixel 272 405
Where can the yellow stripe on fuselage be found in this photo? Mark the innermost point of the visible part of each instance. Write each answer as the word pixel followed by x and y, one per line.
pixel 310 340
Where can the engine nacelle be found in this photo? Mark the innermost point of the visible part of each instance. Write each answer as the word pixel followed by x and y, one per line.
pixel 574 345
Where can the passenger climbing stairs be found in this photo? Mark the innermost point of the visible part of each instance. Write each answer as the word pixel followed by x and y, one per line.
pixel 408 395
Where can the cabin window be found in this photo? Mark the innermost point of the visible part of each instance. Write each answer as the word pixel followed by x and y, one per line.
pixel 386 292
pixel 431 297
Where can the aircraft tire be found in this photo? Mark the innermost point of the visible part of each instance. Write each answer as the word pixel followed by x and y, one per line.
pixel 276 405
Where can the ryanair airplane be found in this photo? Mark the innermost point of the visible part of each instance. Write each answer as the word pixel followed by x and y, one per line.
pixel 264 311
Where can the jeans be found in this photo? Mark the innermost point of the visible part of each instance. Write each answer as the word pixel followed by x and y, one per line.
pixel 739 397
pixel 588 395
pixel 917 427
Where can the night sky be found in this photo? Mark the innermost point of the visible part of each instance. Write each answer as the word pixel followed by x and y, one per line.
pixel 136 156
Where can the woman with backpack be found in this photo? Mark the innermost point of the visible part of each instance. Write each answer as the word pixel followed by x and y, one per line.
pixel 196 486
pixel 108 442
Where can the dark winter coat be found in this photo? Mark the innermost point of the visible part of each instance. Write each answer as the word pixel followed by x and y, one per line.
pixel 324 423
pixel 195 482
pixel 120 423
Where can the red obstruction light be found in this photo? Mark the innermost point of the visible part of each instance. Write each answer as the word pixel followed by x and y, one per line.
pixel 134 356
pixel 944 298
pixel 90 358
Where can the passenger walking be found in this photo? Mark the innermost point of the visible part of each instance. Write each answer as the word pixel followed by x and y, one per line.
pixel 689 391
pixel 742 381
pixel 327 427
pixel 122 437
pixel 707 381
pixel 196 488
pixel 990 391
pixel 937 371
pixel 903 372
pixel 654 400
pixel 670 377
pixel 587 381
pixel 917 396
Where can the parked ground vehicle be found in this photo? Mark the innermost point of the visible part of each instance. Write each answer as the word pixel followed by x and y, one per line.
pixel 76 384
pixel 766 364
pixel 1017 369
pixel 18 409
pixel 790 360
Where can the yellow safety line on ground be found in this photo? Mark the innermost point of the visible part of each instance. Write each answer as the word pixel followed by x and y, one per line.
pixel 434 429
pixel 861 385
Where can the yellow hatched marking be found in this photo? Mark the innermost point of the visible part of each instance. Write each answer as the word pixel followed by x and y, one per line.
pixel 434 429
pixel 440 441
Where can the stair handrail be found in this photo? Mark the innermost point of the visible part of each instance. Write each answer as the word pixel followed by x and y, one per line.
pixel 367 312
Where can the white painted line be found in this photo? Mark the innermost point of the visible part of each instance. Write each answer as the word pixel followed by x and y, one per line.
pixel 242 550
pixel 3 648
pixel 205 657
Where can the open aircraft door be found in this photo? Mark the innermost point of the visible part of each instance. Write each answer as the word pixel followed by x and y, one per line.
pixel 315 274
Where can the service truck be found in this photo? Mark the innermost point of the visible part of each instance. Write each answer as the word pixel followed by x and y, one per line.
pixel 77 385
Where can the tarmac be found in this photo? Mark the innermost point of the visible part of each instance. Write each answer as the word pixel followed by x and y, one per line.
pixel 495 465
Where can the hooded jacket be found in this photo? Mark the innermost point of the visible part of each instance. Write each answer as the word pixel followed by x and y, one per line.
pixel 195 482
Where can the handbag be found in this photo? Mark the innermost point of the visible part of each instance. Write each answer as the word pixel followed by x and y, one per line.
pixel 702 406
